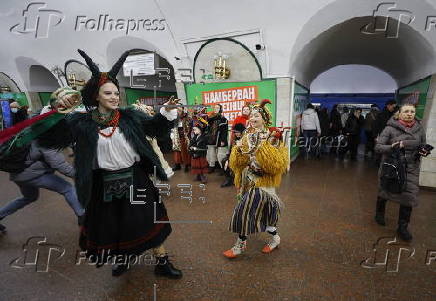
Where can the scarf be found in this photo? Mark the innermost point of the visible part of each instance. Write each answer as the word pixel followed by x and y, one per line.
pixel 407 124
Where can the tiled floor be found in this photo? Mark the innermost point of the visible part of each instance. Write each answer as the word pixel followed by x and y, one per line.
pixel 327 230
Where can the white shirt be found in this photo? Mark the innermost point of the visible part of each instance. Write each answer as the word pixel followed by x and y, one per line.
pixel 114 153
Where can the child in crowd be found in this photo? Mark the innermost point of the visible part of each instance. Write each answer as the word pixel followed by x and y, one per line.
pixel 198 150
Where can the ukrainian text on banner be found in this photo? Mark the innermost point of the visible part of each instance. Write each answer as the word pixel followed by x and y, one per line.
pixel 232 96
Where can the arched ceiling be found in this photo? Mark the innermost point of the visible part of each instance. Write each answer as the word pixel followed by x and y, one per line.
pixel 284 27
pixel 353 79
pixel 404 58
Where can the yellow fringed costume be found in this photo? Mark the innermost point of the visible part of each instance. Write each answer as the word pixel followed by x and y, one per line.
pixel 258 164
pixel 273 160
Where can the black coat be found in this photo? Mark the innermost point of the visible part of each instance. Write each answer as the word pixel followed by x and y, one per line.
pixel 353 125
pixel 324 122
pixel 217 130
pixel 21 115
pixel 200 143
pixel 335 120
pixel 81 129
pixel 381 121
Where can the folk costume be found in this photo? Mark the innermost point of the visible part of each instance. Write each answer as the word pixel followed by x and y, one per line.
pixel 228 174
pixel 241 119
pixel 180 136
pixel 258 163
pixel 150 112
pixel 198 150
pixel 113 158
pixel 217 145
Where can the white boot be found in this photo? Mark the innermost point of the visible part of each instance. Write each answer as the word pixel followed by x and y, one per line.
pixel 237 249
pixel 272 244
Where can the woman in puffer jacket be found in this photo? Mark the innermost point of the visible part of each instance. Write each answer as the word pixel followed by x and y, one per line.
pixel 404 131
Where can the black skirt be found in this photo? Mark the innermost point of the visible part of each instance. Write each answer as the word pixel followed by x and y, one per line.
pixel 119 227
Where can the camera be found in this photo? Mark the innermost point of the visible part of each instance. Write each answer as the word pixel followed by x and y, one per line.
pixel 259 47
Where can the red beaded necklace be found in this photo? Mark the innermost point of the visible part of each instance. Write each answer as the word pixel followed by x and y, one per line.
pixel 113 123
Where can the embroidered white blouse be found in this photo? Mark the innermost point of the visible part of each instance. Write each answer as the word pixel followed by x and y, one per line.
pixel 114 153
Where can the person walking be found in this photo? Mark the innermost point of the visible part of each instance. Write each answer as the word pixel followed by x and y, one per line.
pixel 311 129
pixel 402 131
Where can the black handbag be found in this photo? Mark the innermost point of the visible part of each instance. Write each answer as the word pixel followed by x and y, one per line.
pixel 393 176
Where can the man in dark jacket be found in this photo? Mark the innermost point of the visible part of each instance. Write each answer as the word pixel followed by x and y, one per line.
pixel 217 132
pixel 40 173
pixel 382 118
pixel 352 131
pixel 324 122
pixel 335 128
pixel 369 122
pixel 18 113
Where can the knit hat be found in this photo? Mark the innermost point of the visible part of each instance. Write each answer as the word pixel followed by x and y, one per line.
pixel 98 79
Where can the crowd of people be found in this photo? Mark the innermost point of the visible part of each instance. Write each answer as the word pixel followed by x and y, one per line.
pixel 340 132
pixel 116 149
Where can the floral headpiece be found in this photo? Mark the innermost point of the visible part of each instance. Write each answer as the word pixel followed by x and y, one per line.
pixel 264 111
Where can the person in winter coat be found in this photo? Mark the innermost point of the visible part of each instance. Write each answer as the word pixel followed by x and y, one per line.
pixel 383 118
pixel 369 121
pixel 19 113
pixel 311 129
pixel 40 173
pixel 352 131
pixel 403 131
pixel 198 150
pixel 335 128
pixel 324 122
pixel 217 132
pixel 344 116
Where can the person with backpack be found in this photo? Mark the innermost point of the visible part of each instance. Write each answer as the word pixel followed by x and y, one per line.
pixel 405 132
pixel 41 164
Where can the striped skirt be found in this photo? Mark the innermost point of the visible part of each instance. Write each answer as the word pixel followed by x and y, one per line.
pixel 256 210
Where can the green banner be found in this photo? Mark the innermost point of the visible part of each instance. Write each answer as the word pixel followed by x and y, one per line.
pixel 233 95
pixel 416 94
pixel 44 97
pixel 19 97
pixel 147 96
pixel 301 99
